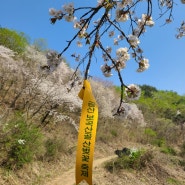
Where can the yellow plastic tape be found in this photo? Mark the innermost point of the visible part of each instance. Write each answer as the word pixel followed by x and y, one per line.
pixel 86 135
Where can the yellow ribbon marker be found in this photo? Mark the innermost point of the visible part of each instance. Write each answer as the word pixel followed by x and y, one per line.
pixel 86 135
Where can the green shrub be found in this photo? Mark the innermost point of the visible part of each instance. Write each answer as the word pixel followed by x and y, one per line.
pixel 159 142
pixel 173 181
pixel 53 148
pixel 182 153
pixel 19 143
pixel 114 133
pixel 150 134
pixel 182 163
pixel 13 40
pixel 137 160
pixel 168 150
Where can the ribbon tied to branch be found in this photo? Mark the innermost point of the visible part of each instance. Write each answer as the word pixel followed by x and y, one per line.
pixel 86 135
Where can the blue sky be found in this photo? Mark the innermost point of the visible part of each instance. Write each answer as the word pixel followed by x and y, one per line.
pixel 165 53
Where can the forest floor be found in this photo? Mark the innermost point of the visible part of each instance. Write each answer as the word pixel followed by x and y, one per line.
pixel 164 170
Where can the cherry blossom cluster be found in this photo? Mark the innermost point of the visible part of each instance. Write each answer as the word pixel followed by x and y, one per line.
pixel 120 21
pixel 116 12
pixel 53 60
pixel 167 3
pixel 122 56
pixel 181 30
pixel 66 12
pixel 132 92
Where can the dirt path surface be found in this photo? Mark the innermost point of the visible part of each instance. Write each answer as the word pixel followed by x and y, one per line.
pixel 68 178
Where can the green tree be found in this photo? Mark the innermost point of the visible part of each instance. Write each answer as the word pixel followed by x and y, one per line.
pixel 40 44
pixel 148 90
pixel 16 41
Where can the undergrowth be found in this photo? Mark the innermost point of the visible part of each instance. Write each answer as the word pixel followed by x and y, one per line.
pixel 136 160
pixel 20 143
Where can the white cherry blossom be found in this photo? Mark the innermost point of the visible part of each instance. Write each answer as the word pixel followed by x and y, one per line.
pixel 106 70
pixel 69 8
pixel 121 16
pixel 133 92
pixel 55 13
pixel 122 54
pixel 143 65
pixel 133 40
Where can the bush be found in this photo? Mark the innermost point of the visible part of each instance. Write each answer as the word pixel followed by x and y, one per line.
pixel 150 134
pixel 168 150
pixel 182 163
pixel 173 181
pixel 13 40
pixel 182 153
pixel 137 160
pixel 53 148
pixel 114 133
pixel 159 142
pixel 19 143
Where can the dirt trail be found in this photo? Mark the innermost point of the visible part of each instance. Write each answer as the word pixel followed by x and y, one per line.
pixel 68 178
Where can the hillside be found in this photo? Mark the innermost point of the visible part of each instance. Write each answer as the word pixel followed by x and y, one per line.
pixel 39 119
